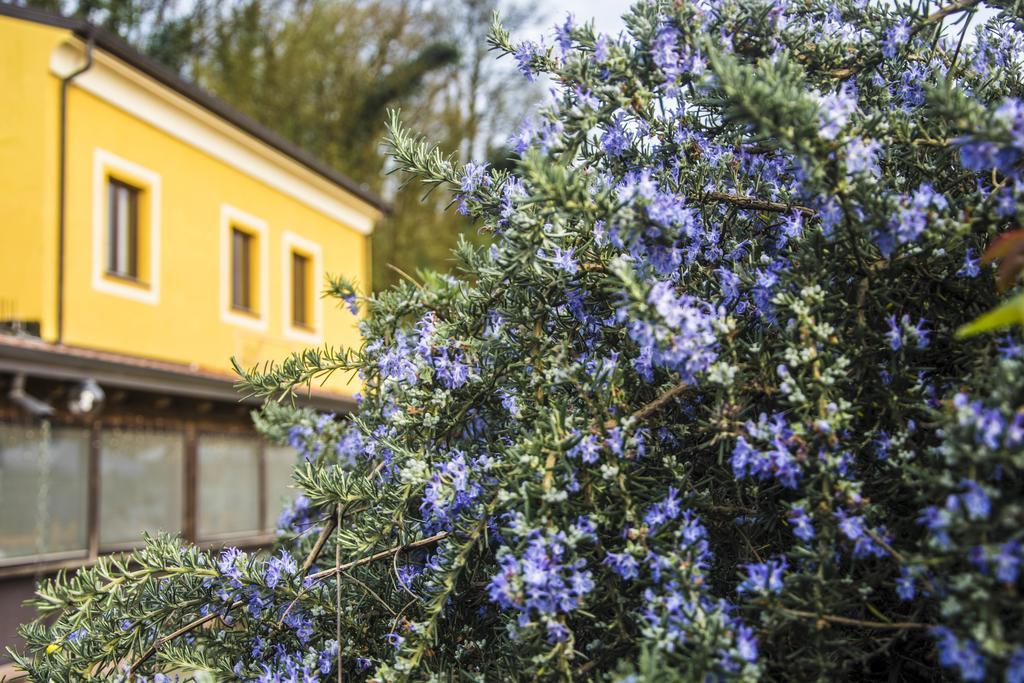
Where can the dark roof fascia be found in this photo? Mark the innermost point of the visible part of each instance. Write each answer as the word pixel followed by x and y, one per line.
pixel 51 363
pixel 119 48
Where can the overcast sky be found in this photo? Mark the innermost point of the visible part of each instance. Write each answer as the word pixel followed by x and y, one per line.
pixel 607 14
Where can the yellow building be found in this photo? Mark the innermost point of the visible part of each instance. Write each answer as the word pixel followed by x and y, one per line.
pixel 148 233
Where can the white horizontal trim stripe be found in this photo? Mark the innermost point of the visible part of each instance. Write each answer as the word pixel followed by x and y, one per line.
pixel 149 101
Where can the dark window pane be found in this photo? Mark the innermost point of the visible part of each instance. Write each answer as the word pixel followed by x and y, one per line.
pixel 123 229
pixel 43 489
pixel 229 486
pixel 300 290
pixel 141 484
pixel 241 270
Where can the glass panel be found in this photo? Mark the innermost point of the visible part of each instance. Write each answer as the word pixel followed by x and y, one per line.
pixel 44 481
pixel 112 233
pixel 140 484
pixel 280 463
pixel 241 269
pixel 132 231
pixel 299 268
pixel 229 485
pixel 123 241
pixel 123 233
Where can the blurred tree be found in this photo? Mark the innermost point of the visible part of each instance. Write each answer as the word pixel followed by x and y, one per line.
pixel 463 108
pixel 322 73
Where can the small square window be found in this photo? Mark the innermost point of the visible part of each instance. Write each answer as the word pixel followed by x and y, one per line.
pixel 242 244
pixel 122 229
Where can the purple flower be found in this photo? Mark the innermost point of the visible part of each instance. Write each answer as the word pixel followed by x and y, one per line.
pixel 665 53
pixel 976 502
pixel 279 566
pixel 882 445
pixel 746 644
pixel 352 302
pixel 474 175
pixel 586 100
pixel 541 584
pixel 523 138
pixel 587 449
pixel 970 267
pixel 228 563
pixel 524 56
pixel 1008 562
pixel 451 490
pixel 897 35
pixel 510 402
pixel 802 527
pixel 1015 667
pixel 623 564
pixel 565 261
pixel 963 655
pixel 327 657
pixel 851 526
pixel 616 139
pixel 918 332
pixel 793 225
pixel 450 369
pixel 664 510
pixel 905 585
pixel 563 33
pixel 764 577
pixel 682 341
pixel 836 109
pixel 977 155
pixel 862 158
pixel 990 425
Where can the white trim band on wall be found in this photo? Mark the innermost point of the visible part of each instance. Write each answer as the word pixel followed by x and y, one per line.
pixel 148 101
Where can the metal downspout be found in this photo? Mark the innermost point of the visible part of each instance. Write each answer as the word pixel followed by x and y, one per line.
pixel 62 180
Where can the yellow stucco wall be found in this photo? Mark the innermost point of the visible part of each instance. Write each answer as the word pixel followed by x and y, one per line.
pixel 186 323
pixel 28 169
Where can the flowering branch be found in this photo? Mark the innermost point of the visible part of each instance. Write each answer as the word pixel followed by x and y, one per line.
pixel 933 18
pixel 756 204
pixel 191 626
pixel 378 556
pixel 329 526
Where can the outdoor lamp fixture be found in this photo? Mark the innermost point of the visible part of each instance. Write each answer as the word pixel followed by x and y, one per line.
pixel 86 398
pixel 26 401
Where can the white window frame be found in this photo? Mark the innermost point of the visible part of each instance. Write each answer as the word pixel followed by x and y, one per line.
pixel 230 217
pixel 104 165
pixel 291 241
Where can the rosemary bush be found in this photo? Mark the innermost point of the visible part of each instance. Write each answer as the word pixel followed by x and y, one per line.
pixel 698 413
